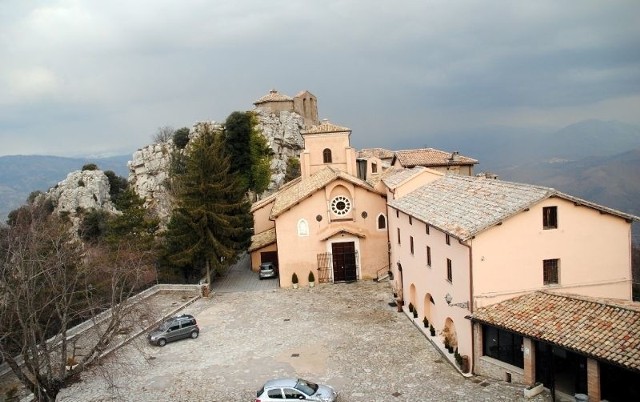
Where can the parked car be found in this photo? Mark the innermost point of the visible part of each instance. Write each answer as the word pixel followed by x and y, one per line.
pixel 295 388
pixel 268 270
pixel 179 327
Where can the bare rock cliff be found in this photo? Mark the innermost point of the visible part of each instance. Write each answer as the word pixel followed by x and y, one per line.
pixel 282 131
pixel 82 191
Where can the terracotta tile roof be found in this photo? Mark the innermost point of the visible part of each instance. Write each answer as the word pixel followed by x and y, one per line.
pixel 325 127
pixel 262 239
pixel 606 329
pixel 375 178
pixel 292 195
pixel 430 157
pixel 380 153
pixel 260 203
pixel 464 206
pixel 273 96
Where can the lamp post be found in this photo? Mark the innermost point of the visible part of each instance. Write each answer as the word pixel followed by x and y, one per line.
pixel 448 298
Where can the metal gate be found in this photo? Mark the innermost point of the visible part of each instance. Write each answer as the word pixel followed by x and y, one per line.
pixel 341 266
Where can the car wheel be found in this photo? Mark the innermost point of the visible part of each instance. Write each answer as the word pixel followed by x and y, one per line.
pixel 162 342
pixel 261 278
pixel 194 334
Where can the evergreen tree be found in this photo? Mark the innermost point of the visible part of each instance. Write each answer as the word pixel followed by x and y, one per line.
pixel 211 223
pixel 237 132
pixel 260 156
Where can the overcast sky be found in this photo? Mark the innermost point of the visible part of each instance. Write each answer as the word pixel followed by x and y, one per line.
pixel 89 77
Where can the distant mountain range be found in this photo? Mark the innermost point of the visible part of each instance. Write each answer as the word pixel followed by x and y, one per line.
pixel 595 160
pixel 22 174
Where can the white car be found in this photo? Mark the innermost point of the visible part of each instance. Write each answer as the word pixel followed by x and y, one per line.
pixel 295 388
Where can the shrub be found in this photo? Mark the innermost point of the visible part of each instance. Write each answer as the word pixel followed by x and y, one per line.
pixel 411 307
pixel 312 278
pixel 90 166
pixel 294 278
pixel 181 137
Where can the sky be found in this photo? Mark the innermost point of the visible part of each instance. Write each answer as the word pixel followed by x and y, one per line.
pixel 91 78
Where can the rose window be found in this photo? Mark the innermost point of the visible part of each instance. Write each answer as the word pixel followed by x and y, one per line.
pixel 340 205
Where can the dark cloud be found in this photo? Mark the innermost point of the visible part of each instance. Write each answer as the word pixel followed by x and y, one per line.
pixel 86 77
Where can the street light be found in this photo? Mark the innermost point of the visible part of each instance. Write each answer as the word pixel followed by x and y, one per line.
pixel 448 298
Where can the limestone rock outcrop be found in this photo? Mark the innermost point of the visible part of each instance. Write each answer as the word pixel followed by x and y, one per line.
pixel 282 131
pixel 82 191
pixel 148 173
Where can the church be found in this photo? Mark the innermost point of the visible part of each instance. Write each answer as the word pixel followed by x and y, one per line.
pixel 332 220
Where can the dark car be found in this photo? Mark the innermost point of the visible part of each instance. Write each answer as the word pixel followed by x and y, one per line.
pixel 179 327
pixel 268 270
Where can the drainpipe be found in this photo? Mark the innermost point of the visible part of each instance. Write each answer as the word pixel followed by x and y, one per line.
pixel 473 346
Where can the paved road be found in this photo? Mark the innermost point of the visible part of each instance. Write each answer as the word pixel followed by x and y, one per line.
pixel 240 278
pixel 346 335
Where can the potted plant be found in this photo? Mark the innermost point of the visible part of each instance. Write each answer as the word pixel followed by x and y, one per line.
pixel 458 358
pixel 294 280
pixel 432 330
pixel 425 321
pixel 415 312
pixel 411 307
pixel 312 279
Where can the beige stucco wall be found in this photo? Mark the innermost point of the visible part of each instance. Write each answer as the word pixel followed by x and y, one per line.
pixel 420 281
pixel 593 248
pixel 343 157
pixel 413 183
pixel 261 220
pixel 299 253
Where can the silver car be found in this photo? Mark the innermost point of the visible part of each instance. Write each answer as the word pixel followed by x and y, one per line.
pixel 268 270
pixel 179 327
pixel 295 388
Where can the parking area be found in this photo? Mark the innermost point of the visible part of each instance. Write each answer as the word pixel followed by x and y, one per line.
pixel 346 335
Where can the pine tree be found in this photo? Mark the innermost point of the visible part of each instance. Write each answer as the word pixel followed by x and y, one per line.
pixel 211 223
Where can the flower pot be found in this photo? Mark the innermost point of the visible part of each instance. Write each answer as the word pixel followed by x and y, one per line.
pixel 312 284
pixel 295 286
pixel 533 390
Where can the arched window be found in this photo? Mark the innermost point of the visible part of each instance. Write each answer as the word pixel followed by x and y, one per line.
pixel 382 221
pixel 326 155
pixel 303 228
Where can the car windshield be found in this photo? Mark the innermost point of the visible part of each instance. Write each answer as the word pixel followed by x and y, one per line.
pixel 164 326
pixel 307 387
pixel 265 266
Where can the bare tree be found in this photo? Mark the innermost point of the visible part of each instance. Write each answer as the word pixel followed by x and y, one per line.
pixel 163 134
pixel 49 283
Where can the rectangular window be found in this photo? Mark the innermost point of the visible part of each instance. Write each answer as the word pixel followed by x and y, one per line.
pixel 374 168
pixel 449 271
pixel 448 239
pixel 397 213
pixel 550 271
pixel 410 220
pixel 428 256
pixel 398 235
pixel 502 345
pixel 411 244
pixel 549 217
pixel 427 228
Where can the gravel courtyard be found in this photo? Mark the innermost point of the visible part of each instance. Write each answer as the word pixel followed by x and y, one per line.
pixel 346 335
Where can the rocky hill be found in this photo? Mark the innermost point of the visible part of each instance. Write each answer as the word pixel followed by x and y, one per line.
pixel 22 174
